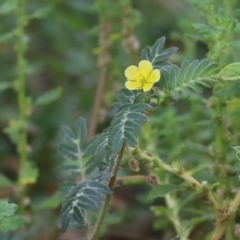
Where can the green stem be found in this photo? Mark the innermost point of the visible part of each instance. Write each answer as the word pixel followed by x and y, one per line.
pixel 172 204
pixel 220 140
pixel 21 79
pixel 227 218
pixel 224 213
pixel 108 197
pixel 132 177
pixel 219 130
pixel 217 45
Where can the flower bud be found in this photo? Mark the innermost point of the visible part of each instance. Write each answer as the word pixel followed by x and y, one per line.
pixel 154 101
pixel 134 165
pixel 152 180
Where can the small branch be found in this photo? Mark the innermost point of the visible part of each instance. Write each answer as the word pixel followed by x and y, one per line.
pixel 111 184
pixel 193 183
pixel 121 179
pixel 236 202
pixel 116 168
pixel 172 204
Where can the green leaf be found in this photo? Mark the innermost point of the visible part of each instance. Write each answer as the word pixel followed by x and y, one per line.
pixel 204 123
pixel 41 13
pixel 100 150
pixel 8 6
pixel 86 196
pixel 202 28
pixel 238 155
pixel 49 97
pixel 68 153
pixel 81 129
pixel 125 98
pixel 197 220
pixel 29 174
pixel 160 211
pixel 7 209
pixel 196 147
pixel 13 131
pixel 65 186
pixel 189 77
pixel 162 190
pixel 233 106
pixel 8 221
pixel 11 223
pixel 230 72
pixel 146 54
pixel 69 172
pixel 156 55
pixel 237 148
pixel 67 136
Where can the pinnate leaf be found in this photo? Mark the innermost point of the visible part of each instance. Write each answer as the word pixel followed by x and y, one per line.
pixel 85 196
pixel 191 76
pixel 81 128
pixel 125 124
pixel 156 55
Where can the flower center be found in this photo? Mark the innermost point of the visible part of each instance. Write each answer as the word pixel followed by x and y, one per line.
pixel 139 77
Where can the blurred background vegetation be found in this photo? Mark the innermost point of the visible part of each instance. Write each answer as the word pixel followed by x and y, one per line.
pixel 64 45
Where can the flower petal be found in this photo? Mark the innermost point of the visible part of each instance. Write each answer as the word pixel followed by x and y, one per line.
pixel 130 72
pixel 132 85
pixel 145 67
pixel 154 76
pixel 147 86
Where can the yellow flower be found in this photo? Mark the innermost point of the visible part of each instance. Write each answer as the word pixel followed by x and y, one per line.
pixel 141 77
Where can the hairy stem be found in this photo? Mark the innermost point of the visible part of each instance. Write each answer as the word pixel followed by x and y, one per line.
pixel 192 182
pixel 172 204
pixel 129 41
pixel 218 43
pixel 220 140
pixel 104 60
pixel 227 217
pixel 111 184
pixel 21 81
